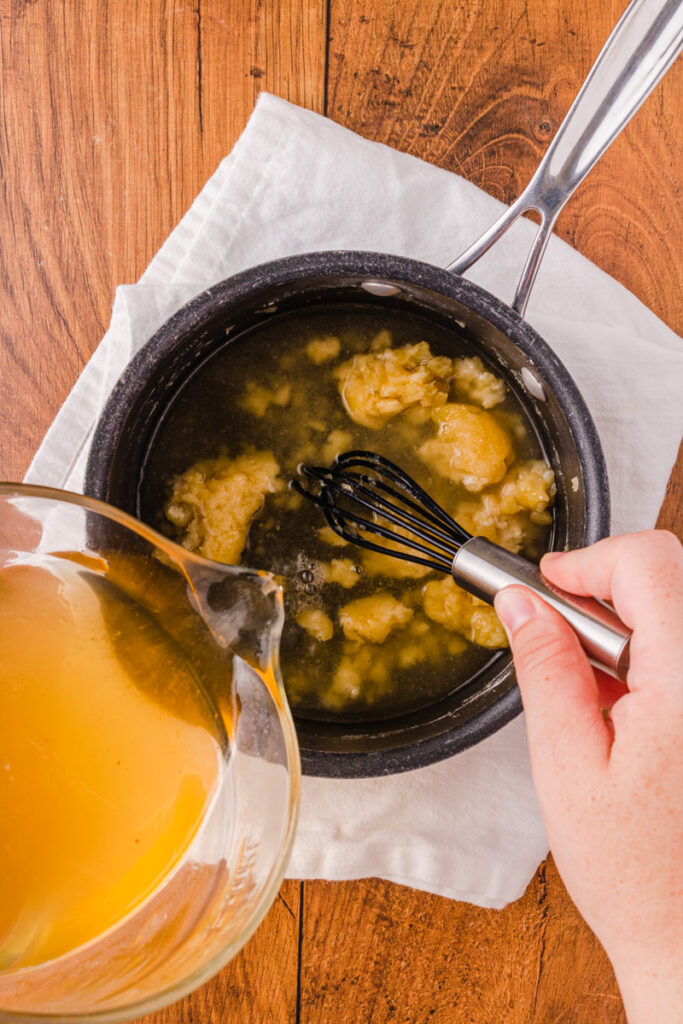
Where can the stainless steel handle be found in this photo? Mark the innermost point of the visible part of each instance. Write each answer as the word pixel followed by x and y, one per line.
pixel 644 44
pixel 484 569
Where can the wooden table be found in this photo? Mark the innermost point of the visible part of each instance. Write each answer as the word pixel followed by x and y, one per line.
pixel 114 113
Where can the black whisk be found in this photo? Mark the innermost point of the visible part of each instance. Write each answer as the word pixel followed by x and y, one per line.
pixel 364 495
pixel 359 483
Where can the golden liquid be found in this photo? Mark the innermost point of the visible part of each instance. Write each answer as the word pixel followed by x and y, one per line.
pixel 208 419
pixel 103 783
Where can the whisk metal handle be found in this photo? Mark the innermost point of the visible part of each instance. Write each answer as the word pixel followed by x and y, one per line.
pixel 484 569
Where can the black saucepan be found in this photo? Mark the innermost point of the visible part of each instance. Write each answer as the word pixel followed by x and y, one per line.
pixel 641 48
pixel 147 390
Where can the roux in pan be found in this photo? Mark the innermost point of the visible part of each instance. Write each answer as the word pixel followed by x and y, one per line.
pixel 365 635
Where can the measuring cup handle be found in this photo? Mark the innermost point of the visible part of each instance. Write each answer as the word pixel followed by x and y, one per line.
pixel 643 45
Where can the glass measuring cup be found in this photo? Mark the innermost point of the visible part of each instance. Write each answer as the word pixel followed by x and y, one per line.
pixel 155 600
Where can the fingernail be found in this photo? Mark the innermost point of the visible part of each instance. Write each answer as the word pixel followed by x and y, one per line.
pixel 551 556
pixel 514 608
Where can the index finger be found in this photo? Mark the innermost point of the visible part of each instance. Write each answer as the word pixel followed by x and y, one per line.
pixel 642 574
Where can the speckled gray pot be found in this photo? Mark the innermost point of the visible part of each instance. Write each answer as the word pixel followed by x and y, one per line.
pixel 213 319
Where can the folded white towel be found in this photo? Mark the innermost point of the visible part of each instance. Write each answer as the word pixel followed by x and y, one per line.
pixel 469 827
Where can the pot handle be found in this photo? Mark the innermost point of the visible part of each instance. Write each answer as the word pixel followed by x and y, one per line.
pixel 645 42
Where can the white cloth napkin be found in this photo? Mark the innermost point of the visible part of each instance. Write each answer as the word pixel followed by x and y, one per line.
pixel 470 827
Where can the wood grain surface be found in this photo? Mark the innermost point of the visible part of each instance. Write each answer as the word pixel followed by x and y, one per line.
pixel 113 114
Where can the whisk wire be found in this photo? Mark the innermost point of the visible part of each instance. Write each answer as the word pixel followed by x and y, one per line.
pixel 425 503
pixel 359 493
pixel 339 523
pixel 382 531
pixel 442 564
pixel 435 522
pixel 343 490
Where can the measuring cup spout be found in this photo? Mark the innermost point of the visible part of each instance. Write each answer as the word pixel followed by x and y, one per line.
pixel 242 608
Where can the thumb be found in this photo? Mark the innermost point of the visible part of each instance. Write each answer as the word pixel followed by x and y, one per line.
pixel 558 686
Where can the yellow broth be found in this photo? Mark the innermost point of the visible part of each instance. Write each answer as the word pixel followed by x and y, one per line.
pixel 111 752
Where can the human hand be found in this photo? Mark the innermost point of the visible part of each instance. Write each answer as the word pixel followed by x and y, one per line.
pixel 611 791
